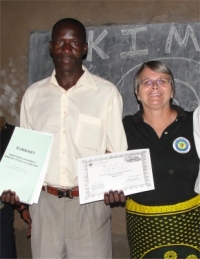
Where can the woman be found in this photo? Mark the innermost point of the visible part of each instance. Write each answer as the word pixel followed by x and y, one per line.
pixel 163 223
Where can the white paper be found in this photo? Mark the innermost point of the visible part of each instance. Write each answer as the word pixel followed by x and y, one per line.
pixel 24 163
pixel 129 171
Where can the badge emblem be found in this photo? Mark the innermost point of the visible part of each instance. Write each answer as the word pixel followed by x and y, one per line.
pixel 181 145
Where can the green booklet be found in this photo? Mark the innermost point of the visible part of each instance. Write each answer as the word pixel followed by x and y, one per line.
pixel 24 163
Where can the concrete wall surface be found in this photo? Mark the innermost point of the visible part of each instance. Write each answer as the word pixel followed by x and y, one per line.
pixel 20 18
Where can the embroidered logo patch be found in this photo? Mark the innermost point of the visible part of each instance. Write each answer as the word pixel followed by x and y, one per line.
pixel 181 145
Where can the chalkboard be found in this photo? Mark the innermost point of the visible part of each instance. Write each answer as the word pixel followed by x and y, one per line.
pixel 117 51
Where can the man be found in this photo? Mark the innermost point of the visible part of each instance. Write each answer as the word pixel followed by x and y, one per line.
pixel 83 112
pixel 196 124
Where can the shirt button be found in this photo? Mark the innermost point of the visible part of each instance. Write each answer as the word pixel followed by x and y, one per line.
pixel 166 132
pixel 171 171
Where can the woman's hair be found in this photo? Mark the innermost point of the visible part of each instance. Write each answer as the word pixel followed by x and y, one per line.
pixel 156 66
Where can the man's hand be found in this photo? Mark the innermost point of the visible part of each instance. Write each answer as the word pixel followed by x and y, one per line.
pixel 9 196
pixel 114 197
pixel 25 215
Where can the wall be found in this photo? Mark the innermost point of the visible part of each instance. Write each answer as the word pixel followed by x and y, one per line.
pixel 20 18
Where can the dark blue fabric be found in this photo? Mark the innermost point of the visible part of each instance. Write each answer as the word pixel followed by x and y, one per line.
pixel 7 240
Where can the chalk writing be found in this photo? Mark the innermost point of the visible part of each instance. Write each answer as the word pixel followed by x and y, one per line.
pixel 93 45
pixel 182 43
pixel 133 52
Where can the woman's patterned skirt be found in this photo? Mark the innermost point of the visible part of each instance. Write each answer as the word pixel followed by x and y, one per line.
pixel 168 232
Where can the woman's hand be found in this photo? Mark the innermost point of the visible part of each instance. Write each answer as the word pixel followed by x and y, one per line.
pixel 114 197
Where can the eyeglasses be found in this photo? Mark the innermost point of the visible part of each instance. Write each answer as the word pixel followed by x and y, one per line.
pixel 160 82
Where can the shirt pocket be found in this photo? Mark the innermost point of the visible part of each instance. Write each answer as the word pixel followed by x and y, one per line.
pixel 90 132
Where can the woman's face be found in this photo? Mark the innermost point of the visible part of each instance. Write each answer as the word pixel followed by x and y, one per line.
pixel 155 89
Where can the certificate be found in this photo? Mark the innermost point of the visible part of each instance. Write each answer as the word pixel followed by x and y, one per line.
pixel 24 163
pixel 129 171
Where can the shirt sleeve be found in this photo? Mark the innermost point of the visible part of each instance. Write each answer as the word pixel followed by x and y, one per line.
pixel 196 126
pixel 25 118
pixel 116 138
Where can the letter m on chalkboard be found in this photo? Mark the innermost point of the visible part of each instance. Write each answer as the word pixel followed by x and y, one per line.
pixel 182 43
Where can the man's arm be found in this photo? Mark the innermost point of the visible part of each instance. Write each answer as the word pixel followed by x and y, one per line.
pixel 196 125
pixel 10 197
pixel 116 141
pixel 116 138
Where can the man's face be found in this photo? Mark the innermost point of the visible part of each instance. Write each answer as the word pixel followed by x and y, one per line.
pixel 67 47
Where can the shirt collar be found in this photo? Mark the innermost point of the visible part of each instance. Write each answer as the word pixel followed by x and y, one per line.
pixel 180 112
pixel 86 80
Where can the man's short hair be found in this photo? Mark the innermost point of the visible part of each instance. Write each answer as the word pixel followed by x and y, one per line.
pixel 70 21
